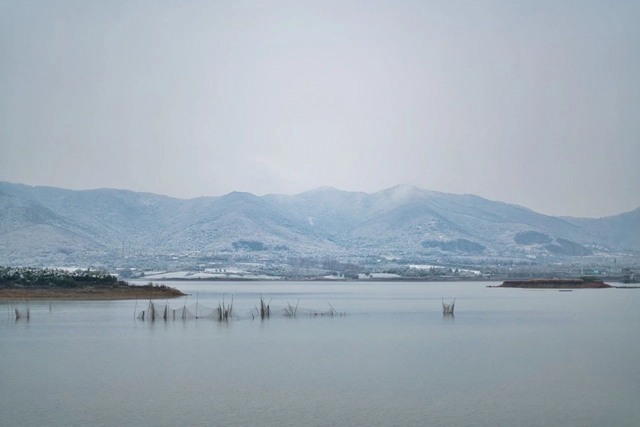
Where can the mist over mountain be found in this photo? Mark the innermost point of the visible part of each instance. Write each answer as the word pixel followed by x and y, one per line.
pixel 53 226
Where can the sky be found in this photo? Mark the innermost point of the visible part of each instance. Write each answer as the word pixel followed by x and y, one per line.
pixel 529 102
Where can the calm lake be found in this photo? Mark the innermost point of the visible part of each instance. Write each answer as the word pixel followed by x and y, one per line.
pixel 509 357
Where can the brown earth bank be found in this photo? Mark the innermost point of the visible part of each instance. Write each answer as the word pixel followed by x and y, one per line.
pixel 555 284
pixel 21 283
pixel 91 293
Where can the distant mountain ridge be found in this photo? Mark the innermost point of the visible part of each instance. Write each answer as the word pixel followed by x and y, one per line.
pixel 48 225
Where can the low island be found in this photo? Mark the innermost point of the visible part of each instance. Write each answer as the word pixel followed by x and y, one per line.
pixel 581 283
pixel 48 284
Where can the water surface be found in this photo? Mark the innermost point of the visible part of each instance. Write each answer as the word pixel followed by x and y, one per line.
pixel 508 357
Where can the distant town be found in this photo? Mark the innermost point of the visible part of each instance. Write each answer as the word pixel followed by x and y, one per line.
pixel 370 268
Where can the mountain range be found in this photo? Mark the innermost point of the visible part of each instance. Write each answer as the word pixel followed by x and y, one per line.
pixel 54 226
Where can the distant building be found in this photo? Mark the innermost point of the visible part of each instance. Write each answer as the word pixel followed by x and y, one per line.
pixel 629 276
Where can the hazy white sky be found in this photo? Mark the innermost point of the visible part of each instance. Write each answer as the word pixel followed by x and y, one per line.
pixel 529 102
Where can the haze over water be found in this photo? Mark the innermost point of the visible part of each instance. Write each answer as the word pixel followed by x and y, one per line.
pixel 508 357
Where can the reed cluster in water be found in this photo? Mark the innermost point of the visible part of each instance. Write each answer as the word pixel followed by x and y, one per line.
pixel 224 312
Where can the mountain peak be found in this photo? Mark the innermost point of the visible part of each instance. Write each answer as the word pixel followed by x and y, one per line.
pixel 325 189
pixel 239 196
pixel 328 192
pixel 402 192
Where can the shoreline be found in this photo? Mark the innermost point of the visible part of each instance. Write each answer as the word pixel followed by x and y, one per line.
pixel 555 284
pixel 88 294
pixel 341 280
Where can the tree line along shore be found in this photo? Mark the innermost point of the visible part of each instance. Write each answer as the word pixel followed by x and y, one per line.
pixel 33 283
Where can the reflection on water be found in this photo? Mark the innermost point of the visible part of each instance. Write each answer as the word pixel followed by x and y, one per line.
pixel 507 357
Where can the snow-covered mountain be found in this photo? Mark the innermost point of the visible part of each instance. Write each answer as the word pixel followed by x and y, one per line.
pixel 52 225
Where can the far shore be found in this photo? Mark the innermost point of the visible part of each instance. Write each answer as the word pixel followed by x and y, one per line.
pixel 342 280
pixel 555 284
pixel 88 294
pixel 319 279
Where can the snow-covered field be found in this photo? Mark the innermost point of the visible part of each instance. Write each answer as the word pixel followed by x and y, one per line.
pixel 193 275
